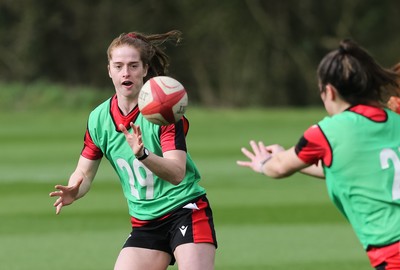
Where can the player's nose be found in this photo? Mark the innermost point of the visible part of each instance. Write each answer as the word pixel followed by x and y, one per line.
pixel 125 71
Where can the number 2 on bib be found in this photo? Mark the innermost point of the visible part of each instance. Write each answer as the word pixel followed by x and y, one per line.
pixel 386 155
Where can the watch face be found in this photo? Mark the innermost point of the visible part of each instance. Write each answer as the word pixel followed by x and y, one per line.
pixel 145 154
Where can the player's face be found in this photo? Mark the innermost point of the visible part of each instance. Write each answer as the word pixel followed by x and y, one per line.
pixel 126 70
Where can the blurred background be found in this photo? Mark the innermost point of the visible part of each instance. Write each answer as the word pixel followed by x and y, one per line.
pixel 235 53
pixel 249 68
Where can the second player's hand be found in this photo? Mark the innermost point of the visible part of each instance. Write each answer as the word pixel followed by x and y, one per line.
pixel 394 104
pixel 258 157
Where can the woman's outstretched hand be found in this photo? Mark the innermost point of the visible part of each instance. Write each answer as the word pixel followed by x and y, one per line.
pixel 66 195
pixel 258 157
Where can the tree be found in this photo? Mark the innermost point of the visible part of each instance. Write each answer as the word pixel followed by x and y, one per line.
pixel 235 52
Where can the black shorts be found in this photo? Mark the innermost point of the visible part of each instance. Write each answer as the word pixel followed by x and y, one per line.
pixel 192 223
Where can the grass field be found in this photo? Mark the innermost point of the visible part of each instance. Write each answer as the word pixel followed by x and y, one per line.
pixel 261 223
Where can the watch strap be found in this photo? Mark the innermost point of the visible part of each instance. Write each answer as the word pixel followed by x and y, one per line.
pixel 145 154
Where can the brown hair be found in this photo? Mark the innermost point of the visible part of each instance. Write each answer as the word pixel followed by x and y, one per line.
pixel 150 49
pixel 358 78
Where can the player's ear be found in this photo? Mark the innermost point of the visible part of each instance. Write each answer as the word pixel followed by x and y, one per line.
pixel 145 70
pixel 108 69
pixel 331 91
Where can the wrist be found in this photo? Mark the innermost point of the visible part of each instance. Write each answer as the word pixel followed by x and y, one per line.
pixel 263 162
pixel 143 155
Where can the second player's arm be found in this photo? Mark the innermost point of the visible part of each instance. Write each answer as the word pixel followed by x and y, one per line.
pixel 286 163
pixel 314 170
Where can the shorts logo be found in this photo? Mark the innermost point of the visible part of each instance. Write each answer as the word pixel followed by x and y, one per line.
pixel 183 229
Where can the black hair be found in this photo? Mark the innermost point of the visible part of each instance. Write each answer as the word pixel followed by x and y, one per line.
pixel 355 74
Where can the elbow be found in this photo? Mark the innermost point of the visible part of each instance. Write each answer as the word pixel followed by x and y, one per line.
pixel 178 176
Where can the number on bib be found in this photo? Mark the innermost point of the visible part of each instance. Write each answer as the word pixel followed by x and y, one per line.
pixel 385 156
pixel 136 178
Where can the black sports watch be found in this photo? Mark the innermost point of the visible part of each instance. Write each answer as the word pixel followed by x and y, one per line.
pixel 145 154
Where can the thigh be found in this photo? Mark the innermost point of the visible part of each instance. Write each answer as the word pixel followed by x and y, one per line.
pixel 195 256
pixel 133 258
pixel 193 224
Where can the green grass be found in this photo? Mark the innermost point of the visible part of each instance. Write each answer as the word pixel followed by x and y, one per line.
pixel 261 223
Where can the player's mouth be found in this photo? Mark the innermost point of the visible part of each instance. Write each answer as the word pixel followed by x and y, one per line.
pixel 127 83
